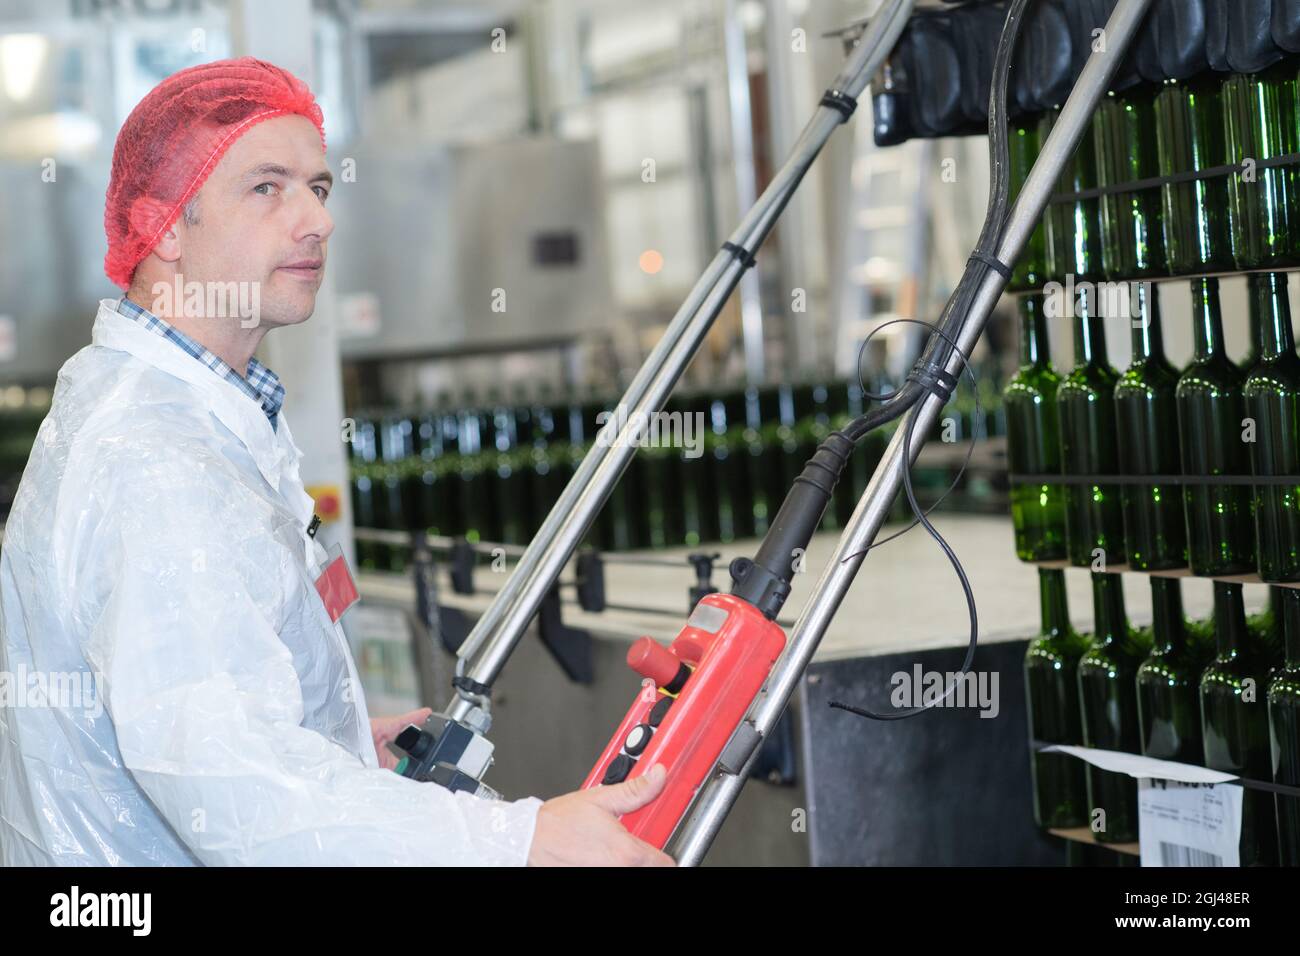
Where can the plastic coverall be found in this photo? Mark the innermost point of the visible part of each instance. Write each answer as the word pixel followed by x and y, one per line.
pixel 158 541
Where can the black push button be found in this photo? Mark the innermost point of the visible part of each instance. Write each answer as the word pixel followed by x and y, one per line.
pixel 658 711
pixel 637 738
pixel 619 768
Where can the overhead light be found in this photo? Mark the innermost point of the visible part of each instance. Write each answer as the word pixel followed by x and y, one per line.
pixel 21 58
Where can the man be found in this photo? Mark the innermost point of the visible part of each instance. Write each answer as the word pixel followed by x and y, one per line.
pixel 159 544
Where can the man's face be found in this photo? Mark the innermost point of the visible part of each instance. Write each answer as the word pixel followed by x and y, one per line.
pixel 261 219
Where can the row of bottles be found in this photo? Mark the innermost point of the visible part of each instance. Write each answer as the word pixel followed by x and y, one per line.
pixel 492 473
pixel 1242 221
pixel 1215 419
pixel 1223 694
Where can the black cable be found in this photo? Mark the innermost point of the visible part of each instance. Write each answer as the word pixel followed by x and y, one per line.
pixel 970 450
pixel 922 518
pixel 938 351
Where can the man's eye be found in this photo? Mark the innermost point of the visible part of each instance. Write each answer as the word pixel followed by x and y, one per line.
pixel 322 192
pixel 264 188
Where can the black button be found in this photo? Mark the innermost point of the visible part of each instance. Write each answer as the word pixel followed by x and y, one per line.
pixel 658 711
pixel 619 768
pixel 637 738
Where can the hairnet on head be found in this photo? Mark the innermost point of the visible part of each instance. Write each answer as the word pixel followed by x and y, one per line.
pixel 175 137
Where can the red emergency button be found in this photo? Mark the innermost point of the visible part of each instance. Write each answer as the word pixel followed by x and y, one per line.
pixel 651 659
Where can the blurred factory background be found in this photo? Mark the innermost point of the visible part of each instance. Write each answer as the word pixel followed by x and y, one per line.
pixel 586 158
pixel 525 194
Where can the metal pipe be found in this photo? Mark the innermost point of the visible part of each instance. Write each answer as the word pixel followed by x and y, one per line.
pixel 697 831
pixel 504 622
pixel 740 112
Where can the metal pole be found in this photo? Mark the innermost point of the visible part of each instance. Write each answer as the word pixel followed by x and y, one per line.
pixel 503 623
pixel 697 831
pixel 742 160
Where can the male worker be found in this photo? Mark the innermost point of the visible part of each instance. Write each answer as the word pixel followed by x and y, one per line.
pixel 159 543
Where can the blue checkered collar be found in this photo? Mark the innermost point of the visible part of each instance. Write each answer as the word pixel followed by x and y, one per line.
pixel 259 383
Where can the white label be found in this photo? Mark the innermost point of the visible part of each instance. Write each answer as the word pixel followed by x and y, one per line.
pixel 1139 767
pixel 1189 824
pixel 707 618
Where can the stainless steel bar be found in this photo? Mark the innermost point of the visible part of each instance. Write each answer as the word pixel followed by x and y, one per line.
pixel 501 626
pixel 697 831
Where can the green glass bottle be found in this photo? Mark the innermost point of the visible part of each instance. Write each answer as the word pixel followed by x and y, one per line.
pixel 1272 393
pixel 1023 145
pixel 1073 229
pixel 1051 686
pixel 364 457
pixel 1259 122
pixel 1146 420
pixel 1234 720
pixel 363 512
pixel 1033 442
pixel 1085 402
pixel 781 446
pixel 1284 731
pixel 1169 680
pixel 1108 705
pixel 1124 137
pixel 758 466
pixel 1190 139
pixel 1220 526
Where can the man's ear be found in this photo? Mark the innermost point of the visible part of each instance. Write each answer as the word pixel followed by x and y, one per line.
pixel 147 216
pixel 168 248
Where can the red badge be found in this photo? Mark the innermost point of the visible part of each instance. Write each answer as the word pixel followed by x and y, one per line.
pixel 335 585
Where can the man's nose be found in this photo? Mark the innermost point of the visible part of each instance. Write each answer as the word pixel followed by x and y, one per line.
pixel 314 220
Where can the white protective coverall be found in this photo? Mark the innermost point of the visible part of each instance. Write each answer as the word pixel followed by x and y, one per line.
pixel 158 542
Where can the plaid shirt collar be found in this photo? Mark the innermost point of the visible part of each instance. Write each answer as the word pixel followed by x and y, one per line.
pixel 260 383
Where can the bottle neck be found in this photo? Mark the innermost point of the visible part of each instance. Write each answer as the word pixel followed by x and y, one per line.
pixel 1290 624
pixel 1270 314
pixel 1051 598
pixel 1229 619
pixel 1168 624
pixel 1208 322
pixel 1089 333
pixel 1033 331
pixel 1148 339
pixel 1109 618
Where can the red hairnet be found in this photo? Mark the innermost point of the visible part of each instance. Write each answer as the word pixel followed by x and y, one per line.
pixel 176 136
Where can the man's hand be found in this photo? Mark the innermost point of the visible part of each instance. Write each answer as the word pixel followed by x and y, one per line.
pixel 582 828
pixel 384 729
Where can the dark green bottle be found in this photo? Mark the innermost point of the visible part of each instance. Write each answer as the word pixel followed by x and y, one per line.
pixel 759 463
pixel 1085 401
pixel 1108 704
pixel 1168 682
pixel 1220 526
pixel 1031 270
pixel 1284 731
pixel 1051 686
pixel 1124 136
pixel 1146 419
pixel 1073 229
pixel 1234 720
pixel 1033 442
pixel 1190 139
pixel 1272 394
pixel 1259 121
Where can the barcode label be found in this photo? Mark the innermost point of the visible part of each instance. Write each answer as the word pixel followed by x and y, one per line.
pixel 1172 854
pixel 1189 824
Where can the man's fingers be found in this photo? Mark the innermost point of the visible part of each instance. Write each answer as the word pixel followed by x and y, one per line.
pixel 649 856
pixel 631 794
